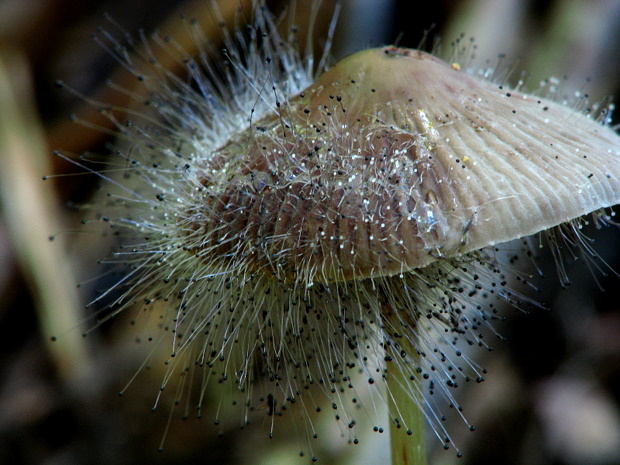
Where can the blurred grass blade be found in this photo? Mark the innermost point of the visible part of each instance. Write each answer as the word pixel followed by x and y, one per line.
pixel 31 215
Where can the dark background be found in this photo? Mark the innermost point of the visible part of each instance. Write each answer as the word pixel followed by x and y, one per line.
pixel 552 395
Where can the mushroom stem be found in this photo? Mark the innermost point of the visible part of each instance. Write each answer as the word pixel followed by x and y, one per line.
pixel 407 436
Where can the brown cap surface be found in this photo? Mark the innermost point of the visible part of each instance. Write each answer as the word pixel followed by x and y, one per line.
pixel 392 159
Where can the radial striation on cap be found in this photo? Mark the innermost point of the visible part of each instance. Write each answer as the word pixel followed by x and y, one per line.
pixel 391 160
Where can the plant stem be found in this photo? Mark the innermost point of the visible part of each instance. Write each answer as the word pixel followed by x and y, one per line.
pixel 407 436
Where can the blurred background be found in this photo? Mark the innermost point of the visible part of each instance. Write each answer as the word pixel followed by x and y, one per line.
pixel 553 391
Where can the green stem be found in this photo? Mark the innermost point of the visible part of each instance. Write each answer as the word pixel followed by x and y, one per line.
pixel 407 436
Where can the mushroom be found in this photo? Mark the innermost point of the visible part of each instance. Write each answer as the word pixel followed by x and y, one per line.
pixel 348 231
pixel 340 227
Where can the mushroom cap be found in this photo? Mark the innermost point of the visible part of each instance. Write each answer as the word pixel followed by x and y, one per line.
pixel 391 160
